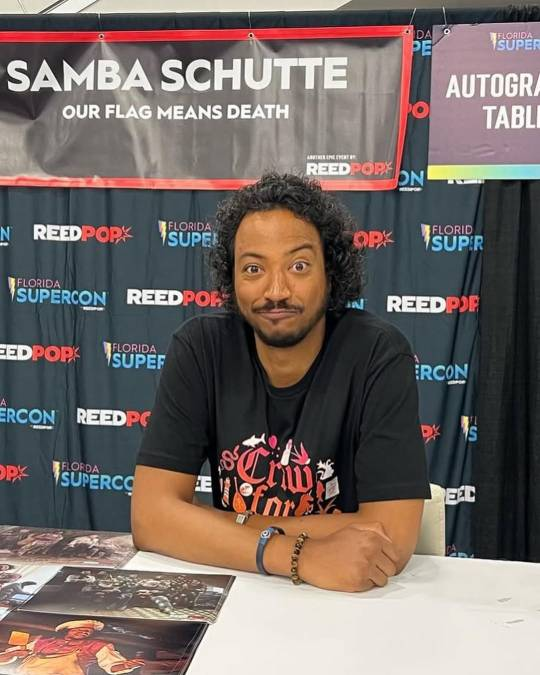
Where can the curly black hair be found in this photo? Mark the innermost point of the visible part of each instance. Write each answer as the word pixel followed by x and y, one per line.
pixel 344 262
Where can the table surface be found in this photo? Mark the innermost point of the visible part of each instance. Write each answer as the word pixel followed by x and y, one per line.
pixel 447 616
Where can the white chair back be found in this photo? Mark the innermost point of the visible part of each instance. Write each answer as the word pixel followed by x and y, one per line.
pixel 432 533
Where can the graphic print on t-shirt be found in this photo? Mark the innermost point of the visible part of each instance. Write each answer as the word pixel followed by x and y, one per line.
pixel 260 476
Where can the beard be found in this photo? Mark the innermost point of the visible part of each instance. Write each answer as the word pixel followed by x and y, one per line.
pixel 288 338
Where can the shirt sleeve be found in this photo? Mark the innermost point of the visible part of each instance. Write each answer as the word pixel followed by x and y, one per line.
pixel 107 657
pixel 390 461
pixel 176 437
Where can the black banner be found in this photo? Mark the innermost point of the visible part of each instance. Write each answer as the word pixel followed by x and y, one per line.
pixel 204 109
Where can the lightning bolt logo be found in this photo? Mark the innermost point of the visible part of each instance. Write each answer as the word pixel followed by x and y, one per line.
pixel 162 224
pixel 11 286
pixel 465 425
pixel 426 234
pixel 493 38
pixel 56 471
pixel 107 348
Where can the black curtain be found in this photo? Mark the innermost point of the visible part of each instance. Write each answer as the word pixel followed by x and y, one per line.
pixel 507 462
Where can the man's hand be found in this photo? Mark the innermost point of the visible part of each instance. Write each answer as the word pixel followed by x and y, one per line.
pixel 355 558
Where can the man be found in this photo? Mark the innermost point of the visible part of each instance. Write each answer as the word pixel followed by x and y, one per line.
pixel 72 654
pixel 303 407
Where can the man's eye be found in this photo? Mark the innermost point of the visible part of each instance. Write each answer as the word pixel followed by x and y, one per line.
pixel 251 269
pixel 300 266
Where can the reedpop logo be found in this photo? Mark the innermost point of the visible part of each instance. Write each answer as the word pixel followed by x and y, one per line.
pixel 432 304
pixel 50 353
pixel 112 418
pixel 11 473
pixel 430 432
pixel 372 239
pixel 103 234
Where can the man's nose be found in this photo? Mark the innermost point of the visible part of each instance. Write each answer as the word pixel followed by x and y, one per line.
pixel 277 288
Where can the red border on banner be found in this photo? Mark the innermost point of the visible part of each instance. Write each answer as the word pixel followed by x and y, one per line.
pixel 236 34
pixel 216 34
pixel 182 184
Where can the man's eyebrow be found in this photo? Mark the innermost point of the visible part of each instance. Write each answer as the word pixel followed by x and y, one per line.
pixel 250 254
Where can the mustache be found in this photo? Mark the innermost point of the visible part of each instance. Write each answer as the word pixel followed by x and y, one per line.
pixel 285 306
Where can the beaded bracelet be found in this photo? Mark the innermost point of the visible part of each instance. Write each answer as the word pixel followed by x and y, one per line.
pixel 300 541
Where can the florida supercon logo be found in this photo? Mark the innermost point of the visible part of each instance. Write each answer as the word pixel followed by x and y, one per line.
pixel 359 303
pixel 469 428
pixel 5 235
pixel 186 233
pixel 451 238
pixel 49 353
pixel 89 476
pixel 450 373
pixel 422 42
pixel 430 432
pixel 35 418
pixel 514 41
pixel 169 297
pixel 102 417
pixel 372 239
pixel 103 234
pixel 432 304
pixel 49 292
pixel 11 473
pixel 411 181
pixel 133 355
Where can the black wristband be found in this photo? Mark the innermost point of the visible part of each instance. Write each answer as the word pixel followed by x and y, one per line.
pixel 264 538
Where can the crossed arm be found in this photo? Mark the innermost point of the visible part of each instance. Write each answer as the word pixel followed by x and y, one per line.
pixel 348 551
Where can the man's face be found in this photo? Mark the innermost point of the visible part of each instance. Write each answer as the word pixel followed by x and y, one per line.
pixel 79 633
pixel 279 276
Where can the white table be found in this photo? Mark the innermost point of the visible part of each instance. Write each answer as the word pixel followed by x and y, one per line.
pixel 446 616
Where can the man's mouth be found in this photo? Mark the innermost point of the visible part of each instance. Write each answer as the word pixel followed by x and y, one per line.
pixel 277 314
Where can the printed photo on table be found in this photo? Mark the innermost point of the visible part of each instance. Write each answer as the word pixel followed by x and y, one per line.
pixel 19 582
pixel 133 594
pixel 52 644
pixel 112 549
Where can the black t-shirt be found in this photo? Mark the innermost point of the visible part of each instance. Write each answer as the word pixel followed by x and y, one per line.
pixel 347 432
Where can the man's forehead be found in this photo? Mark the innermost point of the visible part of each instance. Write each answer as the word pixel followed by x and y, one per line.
pixel 279 229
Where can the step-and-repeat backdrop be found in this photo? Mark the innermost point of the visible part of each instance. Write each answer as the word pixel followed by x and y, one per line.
pixel 82 344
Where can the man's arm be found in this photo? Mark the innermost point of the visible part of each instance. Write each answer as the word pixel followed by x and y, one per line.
pixel 345 551
pixel 398 519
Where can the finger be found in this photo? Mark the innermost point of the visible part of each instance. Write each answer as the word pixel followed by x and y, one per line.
pixel 386 565
pixel 389 550
pixel 376 575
